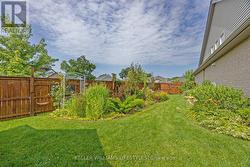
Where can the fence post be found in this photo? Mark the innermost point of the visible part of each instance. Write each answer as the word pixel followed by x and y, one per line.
pixel 32 100
pixel 113 83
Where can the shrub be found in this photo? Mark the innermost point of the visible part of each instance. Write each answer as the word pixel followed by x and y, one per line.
pixel 112 105
pixel 224 121
pixel 57 94
pixel 245 114
pixel 141 94
pixel 149 94
pixel 129 104
pixel 223 109
pixel 211 97
pixel 247 103
pixel 74 107
pixel 135 76
pixel 161 96
pixel 96 98
pixel 189 82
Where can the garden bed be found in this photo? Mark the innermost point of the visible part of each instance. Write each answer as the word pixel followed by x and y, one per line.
pixel 221 109
pixel 159 135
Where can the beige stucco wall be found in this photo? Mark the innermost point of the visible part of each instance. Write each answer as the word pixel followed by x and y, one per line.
pixel 233 69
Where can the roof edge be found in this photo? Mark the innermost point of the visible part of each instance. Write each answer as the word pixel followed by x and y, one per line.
pixel 239 35
pixel 207 30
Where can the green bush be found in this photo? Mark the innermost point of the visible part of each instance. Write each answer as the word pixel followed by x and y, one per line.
pixel 57 94
pixel 151 96
pixel 74 107
pixel 211 97
pixel 96 98
pixel 245 114
pixel 189 82
pixel 224 121
pixel 161 96
pixel 247 103
pixel 129 104
pixel 141 94
pixel 112 105
pixel 224 109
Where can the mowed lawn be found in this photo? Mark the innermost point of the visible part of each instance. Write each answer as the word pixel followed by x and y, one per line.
pixel 161 135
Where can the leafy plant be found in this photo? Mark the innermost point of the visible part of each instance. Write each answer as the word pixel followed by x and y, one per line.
pixel 161 96
pixel 224 121
pixel 129 104
pixel 189 82
pixel 74 107
pixel 96 98
pixel 211 97
pixel 151 96
pixel 136 76
pixel 57 94
pixel 245 114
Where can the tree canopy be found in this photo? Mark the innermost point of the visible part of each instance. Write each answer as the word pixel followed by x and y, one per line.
pixel 189 82
pixel 79 68
pixel 136 75
pixel 133 67
pixel 124 73
pixel 17 54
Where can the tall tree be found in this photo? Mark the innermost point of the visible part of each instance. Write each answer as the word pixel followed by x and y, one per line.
pixel 17 54
pixel 124 72
pixel 136 75
pixel 80 67
pixel 189 82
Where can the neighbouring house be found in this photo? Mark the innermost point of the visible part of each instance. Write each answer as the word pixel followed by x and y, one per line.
pixel 225 54
pixel 55 75
pixel 104 77
pixel 159 79
pixel 178 79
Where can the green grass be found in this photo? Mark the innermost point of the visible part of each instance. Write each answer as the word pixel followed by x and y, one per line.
pixel 161 135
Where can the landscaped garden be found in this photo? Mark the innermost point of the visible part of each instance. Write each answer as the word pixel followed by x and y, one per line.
pixel 160 135
pixel 97 102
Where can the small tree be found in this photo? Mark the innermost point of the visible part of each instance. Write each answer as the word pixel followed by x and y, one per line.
pixel 17 54
pixel 136 76
pixel 189 82
pixel 80 67
pixel 124 72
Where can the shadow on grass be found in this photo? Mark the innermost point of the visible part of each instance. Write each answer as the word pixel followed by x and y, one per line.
pixel 26 146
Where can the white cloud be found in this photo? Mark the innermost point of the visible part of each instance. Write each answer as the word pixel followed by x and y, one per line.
pixel 121 32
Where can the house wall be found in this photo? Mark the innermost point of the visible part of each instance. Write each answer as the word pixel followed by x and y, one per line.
pixel 199 78
pixel 233 69
pixel 228 15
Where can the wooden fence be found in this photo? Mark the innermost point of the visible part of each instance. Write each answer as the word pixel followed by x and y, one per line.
pixel 20 96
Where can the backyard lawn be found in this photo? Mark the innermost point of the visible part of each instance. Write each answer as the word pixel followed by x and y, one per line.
pixel 160 135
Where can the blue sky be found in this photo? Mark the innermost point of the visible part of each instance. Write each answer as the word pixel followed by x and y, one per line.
pixel 164 36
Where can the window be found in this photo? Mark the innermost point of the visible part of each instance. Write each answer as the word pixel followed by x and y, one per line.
pixel 222 38
pixel 217 44
pixel 212 50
